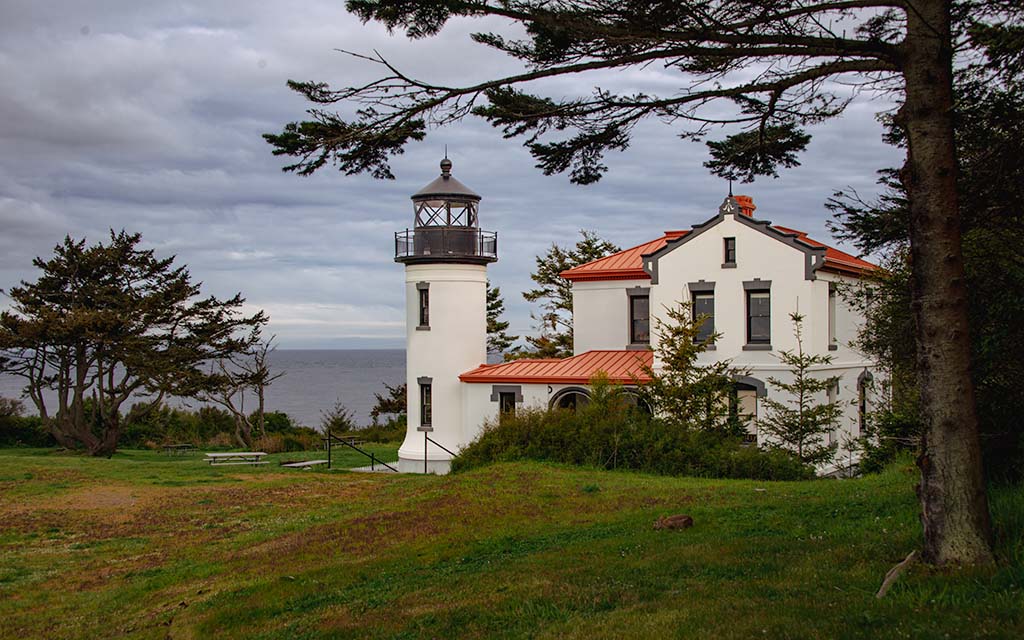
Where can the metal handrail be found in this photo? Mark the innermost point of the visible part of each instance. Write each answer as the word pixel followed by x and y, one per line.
pixel 446 242
pixel 447 450
pixel 371 456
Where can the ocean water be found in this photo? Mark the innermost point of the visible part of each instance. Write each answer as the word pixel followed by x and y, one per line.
pixel 314 380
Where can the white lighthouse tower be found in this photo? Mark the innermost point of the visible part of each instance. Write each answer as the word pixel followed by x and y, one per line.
pixel 445 257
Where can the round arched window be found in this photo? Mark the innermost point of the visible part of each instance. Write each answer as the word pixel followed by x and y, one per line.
pixel 570 399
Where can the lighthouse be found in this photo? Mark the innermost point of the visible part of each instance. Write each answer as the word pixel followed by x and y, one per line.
pixel 445 256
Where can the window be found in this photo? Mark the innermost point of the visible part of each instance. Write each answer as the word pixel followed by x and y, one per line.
pixel 832 396
pixel 424 307
pixel 862 406
pixel 730 251
pixel 703 307
pixel 639 319
pixel 759 317
pixel 832 342
pixel 570 398
pixel 507 403
pixel 426 404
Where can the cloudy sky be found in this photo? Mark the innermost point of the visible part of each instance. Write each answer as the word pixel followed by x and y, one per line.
pixel 147 116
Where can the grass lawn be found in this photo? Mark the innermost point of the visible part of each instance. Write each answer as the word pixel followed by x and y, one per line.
pixel 146 546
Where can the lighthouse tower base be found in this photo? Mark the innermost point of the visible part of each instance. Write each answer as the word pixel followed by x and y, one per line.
pixel 446 306
pixel 411 465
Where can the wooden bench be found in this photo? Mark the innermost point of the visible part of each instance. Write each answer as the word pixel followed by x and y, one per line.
pixel 179 449
pixel 303 464
pixel 239 457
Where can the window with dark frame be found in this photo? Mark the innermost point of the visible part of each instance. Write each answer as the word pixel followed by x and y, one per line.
pixel 862 407
pixel 640 319
pixel 424 307
pixel 730 251
pixel 759 317
pixel 426 405
pixel 507 403
pixel 832 315
pixel 703 305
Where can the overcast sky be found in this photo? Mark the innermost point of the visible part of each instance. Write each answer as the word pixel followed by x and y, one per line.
pixel 147 116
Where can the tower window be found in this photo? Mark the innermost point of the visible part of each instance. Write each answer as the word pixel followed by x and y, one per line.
pixel 703 308
pixel 423 289
pixel 640 319
pixel 759 317
pixel 426 404
pixel 730 251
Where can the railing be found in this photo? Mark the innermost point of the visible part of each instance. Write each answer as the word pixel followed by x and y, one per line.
pixel 330 438
pixel 426 439
pixel 446 242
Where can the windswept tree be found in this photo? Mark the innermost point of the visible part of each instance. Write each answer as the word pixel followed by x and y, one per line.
pixel 108 322
pixel 390 403
pixel 766 67
pixel 239 378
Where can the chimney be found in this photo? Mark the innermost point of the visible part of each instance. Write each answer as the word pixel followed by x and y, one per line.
pixel 747 205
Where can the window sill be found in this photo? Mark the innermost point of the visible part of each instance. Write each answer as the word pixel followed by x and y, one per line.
pixel 423 327
pixel 425 428
pixel 833 347
pixel 638 346
pixel 757 347
pixel 728 265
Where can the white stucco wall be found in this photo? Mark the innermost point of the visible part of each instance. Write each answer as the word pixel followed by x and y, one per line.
pixel 600 314
pixel 455 343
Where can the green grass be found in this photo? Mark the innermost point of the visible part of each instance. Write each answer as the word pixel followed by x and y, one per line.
pixel 145 546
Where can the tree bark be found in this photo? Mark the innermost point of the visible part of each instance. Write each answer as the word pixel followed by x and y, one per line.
pixel 954 505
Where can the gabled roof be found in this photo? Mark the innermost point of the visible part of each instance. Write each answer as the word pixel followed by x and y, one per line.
pixel 624 265
pixel 835 259
pixel 619 366
pixel 628 264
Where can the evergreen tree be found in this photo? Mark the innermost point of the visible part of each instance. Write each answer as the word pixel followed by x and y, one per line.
pixel 554 294
pixel 801 424
pixel 802 52
pixel 498 339
pixel 392 402
pixel 108 322
pixel 990 148
pixel 684 393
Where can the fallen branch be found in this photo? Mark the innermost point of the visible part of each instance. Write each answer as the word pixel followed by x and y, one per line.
pixel 895 573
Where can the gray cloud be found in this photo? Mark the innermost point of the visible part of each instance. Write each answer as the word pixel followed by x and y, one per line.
pixel 147 116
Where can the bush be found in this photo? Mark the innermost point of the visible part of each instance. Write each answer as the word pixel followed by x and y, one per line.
pixel 17 430
pixel 609 433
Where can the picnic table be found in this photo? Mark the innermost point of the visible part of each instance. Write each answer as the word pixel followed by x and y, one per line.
pixel 235 457
pixel 179 449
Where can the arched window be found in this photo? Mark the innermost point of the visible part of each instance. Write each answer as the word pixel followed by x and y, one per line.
pixel 570 398
pixel 632 398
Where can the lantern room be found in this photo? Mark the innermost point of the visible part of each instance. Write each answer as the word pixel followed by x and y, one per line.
pixel 446 225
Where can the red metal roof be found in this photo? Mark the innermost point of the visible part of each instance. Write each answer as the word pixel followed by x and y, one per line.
pixel 619 366
pixel 628 264
pixel 624 265
pixel 835 259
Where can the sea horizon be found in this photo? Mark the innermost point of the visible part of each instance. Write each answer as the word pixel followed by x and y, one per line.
pixel 315 379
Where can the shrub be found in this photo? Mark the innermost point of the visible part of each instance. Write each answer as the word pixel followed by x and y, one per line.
pixel 609 433
pixel 17 430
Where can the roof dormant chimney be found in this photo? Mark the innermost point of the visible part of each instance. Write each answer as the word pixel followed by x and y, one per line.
pixel 747 205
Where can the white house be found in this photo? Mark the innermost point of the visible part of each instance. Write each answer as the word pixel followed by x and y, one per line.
pixel 746 274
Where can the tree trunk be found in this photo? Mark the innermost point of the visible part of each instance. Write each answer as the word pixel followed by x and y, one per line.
pixel 954 506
